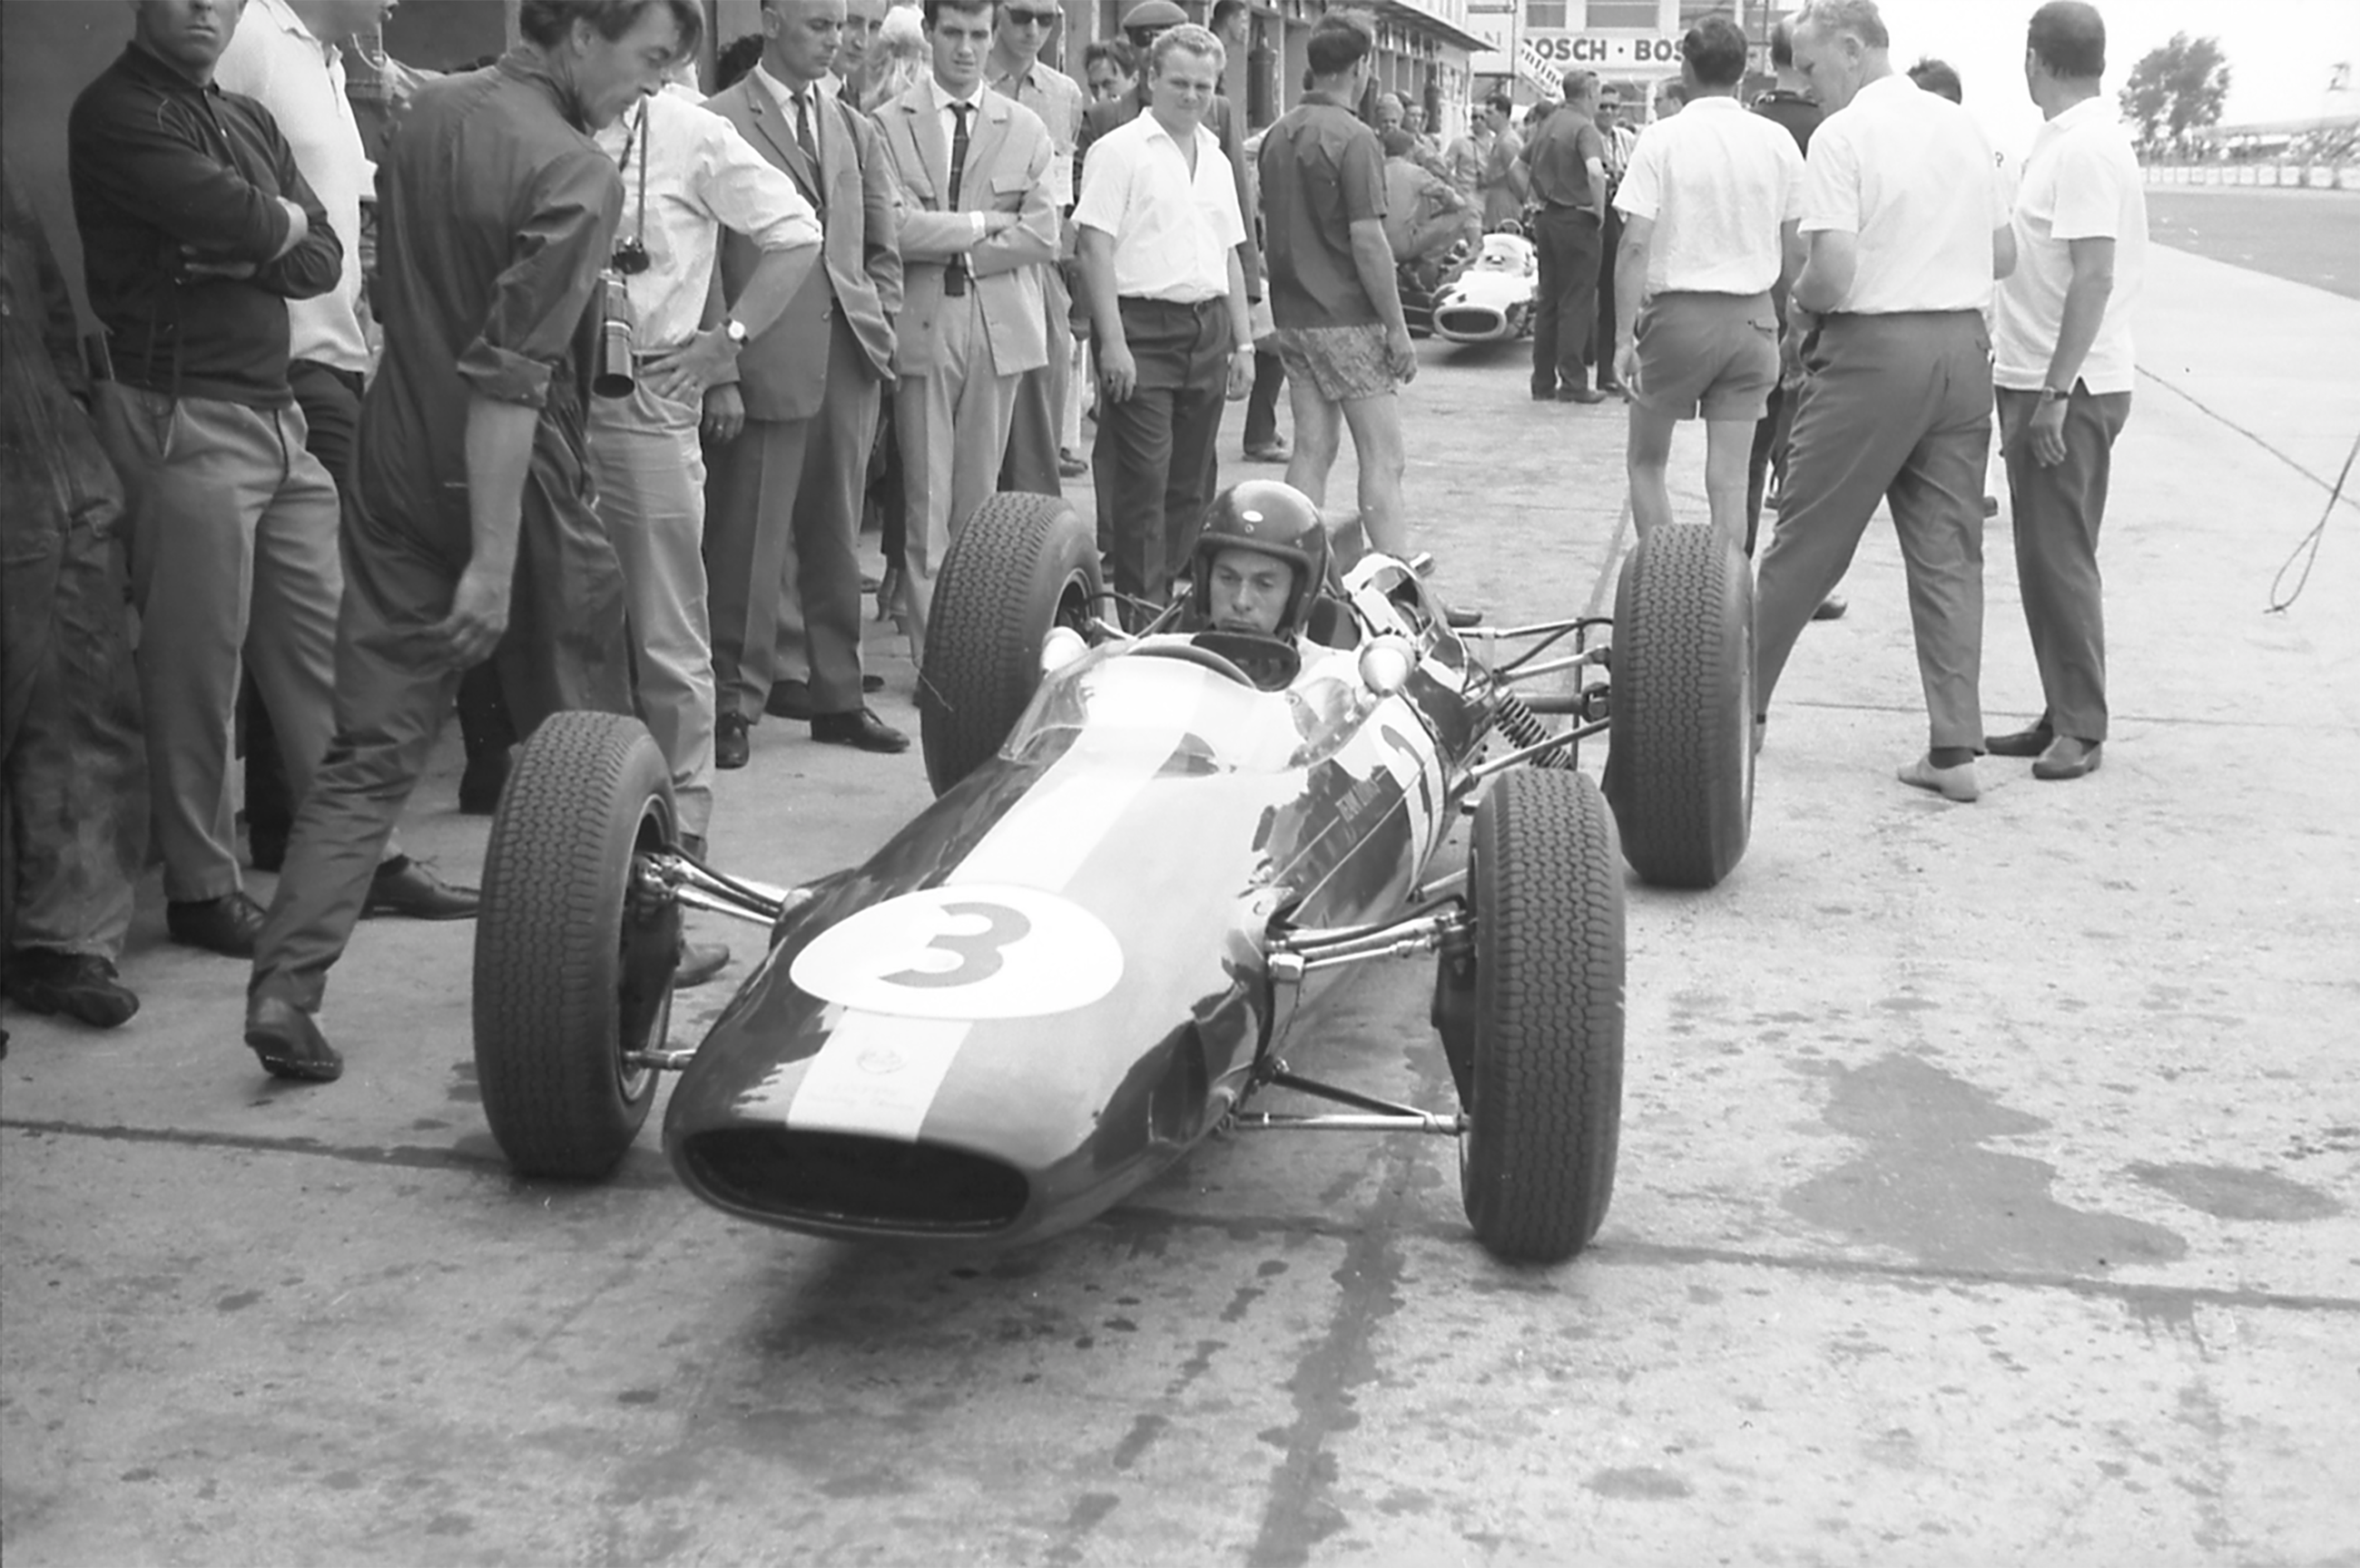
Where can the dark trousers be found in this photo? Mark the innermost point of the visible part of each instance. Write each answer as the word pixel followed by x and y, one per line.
pixel 331 401
pixel 1767 461
pixel 1564 308
pixel 1154 460
pixel 565 647
pixel 2058 511
pixel 1262 407
pixel 1601 337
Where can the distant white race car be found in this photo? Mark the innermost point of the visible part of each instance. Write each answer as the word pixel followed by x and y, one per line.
pixel 1492 301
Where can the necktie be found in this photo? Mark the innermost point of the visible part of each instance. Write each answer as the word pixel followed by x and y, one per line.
pixel 960 112
pixel 802 126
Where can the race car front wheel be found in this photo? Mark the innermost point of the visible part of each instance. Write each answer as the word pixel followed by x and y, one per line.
pixel 1020 565
pixel 574 966
pixel 1544 1099
pixel 1680 756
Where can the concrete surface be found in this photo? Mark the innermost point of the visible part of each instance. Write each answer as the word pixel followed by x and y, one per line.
pixel 1986 1193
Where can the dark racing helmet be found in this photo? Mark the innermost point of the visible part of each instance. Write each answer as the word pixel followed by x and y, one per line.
pixel 1273 519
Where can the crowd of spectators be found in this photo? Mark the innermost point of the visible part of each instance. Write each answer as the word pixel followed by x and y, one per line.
pixel 880 275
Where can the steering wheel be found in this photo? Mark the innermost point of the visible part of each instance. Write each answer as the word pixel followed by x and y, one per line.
pixel 1189 653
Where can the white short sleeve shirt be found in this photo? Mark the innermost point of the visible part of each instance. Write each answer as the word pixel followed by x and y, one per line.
pixel 2081 182
pixel 1717 182
pixel 1174 232
pixel 274 60
pixel 1910 174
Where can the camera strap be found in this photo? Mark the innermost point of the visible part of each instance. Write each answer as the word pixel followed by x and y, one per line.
pixel 638 137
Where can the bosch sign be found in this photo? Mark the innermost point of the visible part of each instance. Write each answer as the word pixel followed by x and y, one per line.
pixel 1601 50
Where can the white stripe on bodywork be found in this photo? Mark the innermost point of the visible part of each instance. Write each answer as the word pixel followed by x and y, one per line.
pixel 878 1075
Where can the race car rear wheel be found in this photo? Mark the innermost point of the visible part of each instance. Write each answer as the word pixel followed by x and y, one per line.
pixel 1680 760
pixel 1020 565
pixel 1544 1097
pixel 573 967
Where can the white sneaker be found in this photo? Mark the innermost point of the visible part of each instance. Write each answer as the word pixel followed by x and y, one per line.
pixel 1958 783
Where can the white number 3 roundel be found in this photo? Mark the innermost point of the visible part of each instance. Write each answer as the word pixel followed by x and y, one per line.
pixel 980 952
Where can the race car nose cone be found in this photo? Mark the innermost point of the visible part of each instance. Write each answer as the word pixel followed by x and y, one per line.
pixel 1385 664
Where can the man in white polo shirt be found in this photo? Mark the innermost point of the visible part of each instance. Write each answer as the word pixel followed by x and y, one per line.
pixel 1906 228
pixel 1710 201
pixel 1159 227
pixel 2065 364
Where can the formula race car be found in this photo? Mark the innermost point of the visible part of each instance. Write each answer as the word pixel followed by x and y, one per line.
pixel 1492 300
pixel 1150 857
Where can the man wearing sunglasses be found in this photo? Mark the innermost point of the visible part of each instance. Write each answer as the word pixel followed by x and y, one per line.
pixel 1021 30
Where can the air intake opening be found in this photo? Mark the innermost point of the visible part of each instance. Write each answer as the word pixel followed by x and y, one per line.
pixel 851 1179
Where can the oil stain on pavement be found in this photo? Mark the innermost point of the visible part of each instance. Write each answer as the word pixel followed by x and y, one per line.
pixel 1923 1183
pixel 2229 1193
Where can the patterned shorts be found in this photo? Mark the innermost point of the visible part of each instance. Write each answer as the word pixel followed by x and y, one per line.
pixel 1341 364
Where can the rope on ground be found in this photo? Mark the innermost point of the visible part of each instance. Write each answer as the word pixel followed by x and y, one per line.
pixel 2306 549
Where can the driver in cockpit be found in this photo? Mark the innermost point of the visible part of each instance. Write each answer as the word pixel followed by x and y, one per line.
pixel 1260 562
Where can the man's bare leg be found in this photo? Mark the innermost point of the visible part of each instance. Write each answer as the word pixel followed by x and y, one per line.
pixel 1318 430
pixel 1728 448
pixel 1647 457
pixel 1377 449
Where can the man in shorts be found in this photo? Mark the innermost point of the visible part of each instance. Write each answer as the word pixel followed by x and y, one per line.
pixel 1340 331
pixel 1710 206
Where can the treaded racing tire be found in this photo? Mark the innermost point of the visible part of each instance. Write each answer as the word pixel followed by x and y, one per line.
pixel 1679 760
pixel 1021 564
pixel 569 973
pixel 1544 1122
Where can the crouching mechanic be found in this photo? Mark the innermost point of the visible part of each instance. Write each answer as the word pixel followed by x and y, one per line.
pixel 1260 564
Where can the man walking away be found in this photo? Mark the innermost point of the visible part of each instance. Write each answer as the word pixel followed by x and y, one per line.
pixel 979 223
pixel 1568 162
pixel 1709 205
pixel 2064 370
pixel 1333 292
pixel 792 434
pixel 1906 230
pixel 1160 228
pixel 471 528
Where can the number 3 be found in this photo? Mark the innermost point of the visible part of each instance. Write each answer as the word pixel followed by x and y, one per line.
pixel 978 952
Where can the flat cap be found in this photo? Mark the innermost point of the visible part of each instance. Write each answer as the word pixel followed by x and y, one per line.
pixel 1154 16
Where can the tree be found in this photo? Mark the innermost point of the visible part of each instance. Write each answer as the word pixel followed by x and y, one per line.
pixel 2176 89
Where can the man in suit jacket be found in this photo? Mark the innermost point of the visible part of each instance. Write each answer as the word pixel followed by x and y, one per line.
pixel 786 490
pixel 978 223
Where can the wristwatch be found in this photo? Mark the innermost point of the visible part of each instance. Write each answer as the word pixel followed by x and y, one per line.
pixel 2051 395
pixel 735 331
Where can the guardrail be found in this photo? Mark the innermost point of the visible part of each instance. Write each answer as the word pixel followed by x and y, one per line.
pixel 2282 175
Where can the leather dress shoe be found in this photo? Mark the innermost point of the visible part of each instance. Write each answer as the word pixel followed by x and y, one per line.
pixel 229 925
pixel 81 986
pixel 1460 620
pixel 480 785
pixel 290 1044
pixel 1580 394
pixel 1269 451
pixel 2029 740
pixel 699 961
pixel 2067 758
pixel 410 888
pixel 731 744
pixel 1831 608
pixel 1958 783
pixel 858 728
pixel 792 699
pixel 1071 464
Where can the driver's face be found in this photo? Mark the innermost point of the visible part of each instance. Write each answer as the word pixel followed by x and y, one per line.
pixel 1250 591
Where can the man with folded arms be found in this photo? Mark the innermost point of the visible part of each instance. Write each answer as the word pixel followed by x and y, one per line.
pixel 1907 227
pixel 2064 368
